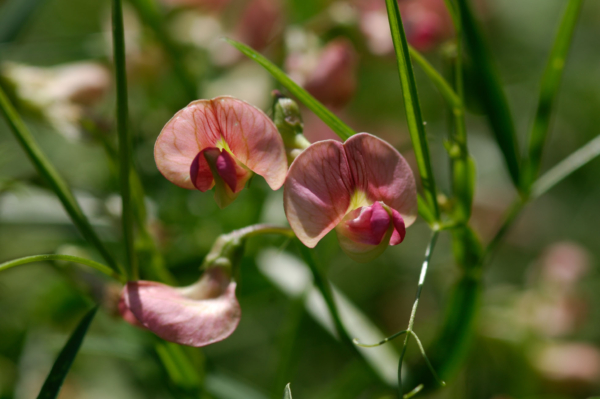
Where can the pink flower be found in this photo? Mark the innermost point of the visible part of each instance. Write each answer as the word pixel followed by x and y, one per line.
pixel 201 314
pixel 220 142
pixel 330 76
pixel 363 188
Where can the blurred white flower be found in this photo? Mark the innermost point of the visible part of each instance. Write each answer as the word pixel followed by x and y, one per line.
pixel 61 93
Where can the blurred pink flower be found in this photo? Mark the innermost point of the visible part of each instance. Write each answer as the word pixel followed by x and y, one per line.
pixel 570 363
pixel 198 315
pixel 363 188
pixel 426 23
pixel 564 264
pixel 220 142
pixel 331 76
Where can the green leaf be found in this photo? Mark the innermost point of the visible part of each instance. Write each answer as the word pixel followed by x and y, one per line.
pixel 411 104
pixel 179 367
pixel 335 123
pixel 438 80
pixel 287 393
pixel 53 178
pixel 125 145
pixel 425 211
pixel 490 92
pixel 63 363
pixel 548 89
pixel 67 258
pixel 567 166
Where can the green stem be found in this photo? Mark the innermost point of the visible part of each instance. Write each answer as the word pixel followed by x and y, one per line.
pixel 54 180
pixel 411 105
pixel 325 289
pixel 67 258
pixel 125 149
pixel 411 321
pixel 548 89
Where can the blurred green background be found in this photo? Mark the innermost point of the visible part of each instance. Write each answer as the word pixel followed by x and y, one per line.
pixel 537 334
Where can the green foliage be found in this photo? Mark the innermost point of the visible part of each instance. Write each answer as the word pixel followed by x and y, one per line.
pixel 62 365
pixel 412 106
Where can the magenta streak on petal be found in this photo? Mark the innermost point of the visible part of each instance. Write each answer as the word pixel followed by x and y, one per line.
pixel 399 228
pixel 366 225
pixel 226 168
pixel 200 173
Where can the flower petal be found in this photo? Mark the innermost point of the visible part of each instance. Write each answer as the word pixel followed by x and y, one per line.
pixel 383 174
pixel 191 130
pixel 199 315
pixel 399 228
pixel 363 252
pixel 230 177
pixel 365 225
pixel 252 138
pixel 200 173
pixel 317 191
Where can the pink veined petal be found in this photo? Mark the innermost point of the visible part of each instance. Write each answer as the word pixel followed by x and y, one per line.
pixel 317 191
pixel 199 315
pixel 200 173
pixel 399 228
pixel 383 174
pixel 191 130
pixel 253 139
pixel 365 225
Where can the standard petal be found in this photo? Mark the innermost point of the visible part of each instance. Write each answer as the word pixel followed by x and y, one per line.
pixel 399 228
pixel 252 138
pixel 199 315
pixel 383 174
pixel 200 173
pixel 365 225
pixel 191 130
pixel 317 191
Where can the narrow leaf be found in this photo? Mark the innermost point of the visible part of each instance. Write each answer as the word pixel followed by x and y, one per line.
pixel 438 80
pixel 335 123
pixel 490 92
pixel 67 258
pixel 125 150
pixel 548 89
pixel 567 166
pixel 63 363
pixel 287 393
pixel 411 104
pixel 52 177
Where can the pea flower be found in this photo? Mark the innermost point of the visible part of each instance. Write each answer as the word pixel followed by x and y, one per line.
pixel 220 142
pixel 363 188
pixel 198 315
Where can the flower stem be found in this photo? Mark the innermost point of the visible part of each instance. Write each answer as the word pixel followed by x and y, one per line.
pixel 67 258
pixel 53 178
pixel 125 149
pixel 411 321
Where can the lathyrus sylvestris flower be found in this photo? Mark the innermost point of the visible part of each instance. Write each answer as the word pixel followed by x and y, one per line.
pixel 363 188
pixel 198 315
pixel 220 142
